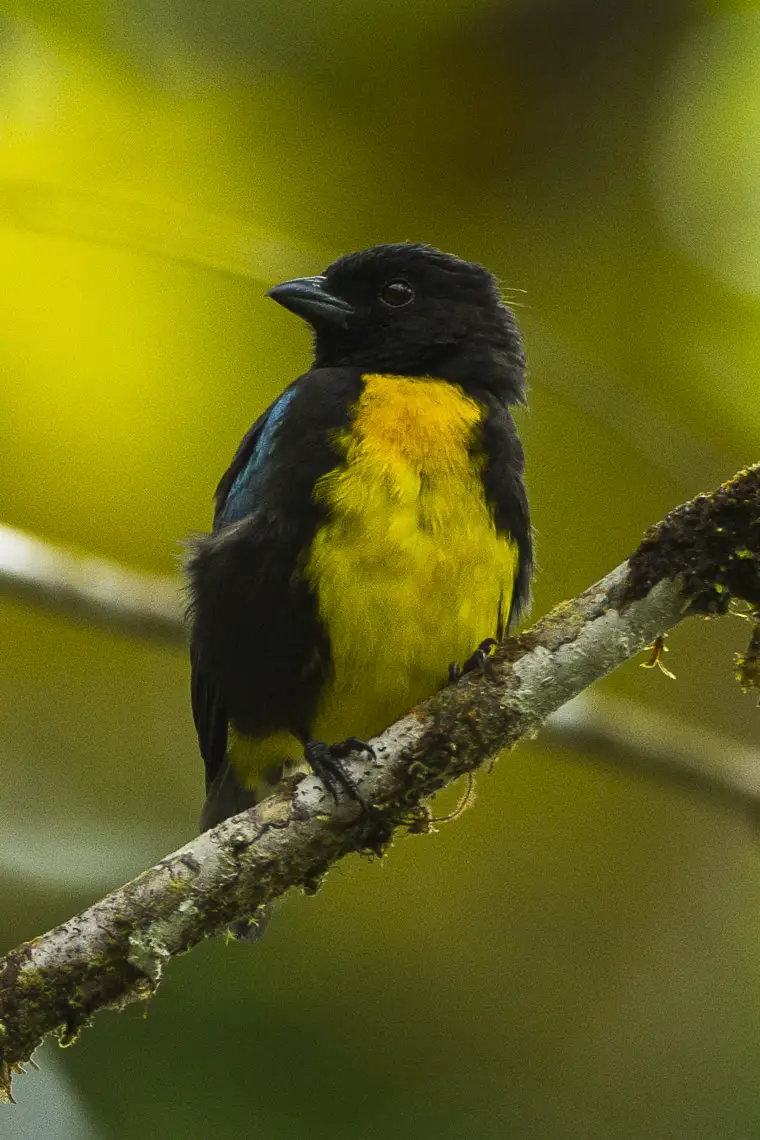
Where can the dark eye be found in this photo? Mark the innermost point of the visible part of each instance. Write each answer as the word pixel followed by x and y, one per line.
pixel 396 294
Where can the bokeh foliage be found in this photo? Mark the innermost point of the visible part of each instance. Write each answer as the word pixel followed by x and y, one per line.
pixel 578 955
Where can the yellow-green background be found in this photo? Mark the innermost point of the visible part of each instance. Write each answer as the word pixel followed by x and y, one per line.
pixel 577 958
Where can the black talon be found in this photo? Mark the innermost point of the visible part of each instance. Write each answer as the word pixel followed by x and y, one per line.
pixel 349 745
pixel 325 760
pixel 480 659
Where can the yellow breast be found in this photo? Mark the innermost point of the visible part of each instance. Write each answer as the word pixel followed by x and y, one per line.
pixel 408 570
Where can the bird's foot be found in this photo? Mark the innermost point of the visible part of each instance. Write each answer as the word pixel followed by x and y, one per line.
pixel 480 659
pixel 325 761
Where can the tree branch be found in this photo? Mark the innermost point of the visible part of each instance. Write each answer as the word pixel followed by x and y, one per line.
pixel 105 594
pixel 620 732
pixel 90 589
pixel 704 554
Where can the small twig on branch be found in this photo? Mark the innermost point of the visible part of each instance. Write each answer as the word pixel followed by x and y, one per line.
pixel 704 554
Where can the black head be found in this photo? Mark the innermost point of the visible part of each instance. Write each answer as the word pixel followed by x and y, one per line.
pixel 414 311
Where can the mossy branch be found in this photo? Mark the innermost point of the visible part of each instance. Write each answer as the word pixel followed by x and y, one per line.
pixel 705 554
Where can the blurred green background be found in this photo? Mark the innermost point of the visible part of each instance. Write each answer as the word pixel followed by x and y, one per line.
pixel 578 956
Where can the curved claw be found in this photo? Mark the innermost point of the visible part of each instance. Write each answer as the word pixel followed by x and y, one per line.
pixel 480 659
pixel 351 744
pixel 325 761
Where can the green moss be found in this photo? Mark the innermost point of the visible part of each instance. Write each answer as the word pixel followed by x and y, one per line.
pixel 748 663
pixel 711 543
pixel 6 1073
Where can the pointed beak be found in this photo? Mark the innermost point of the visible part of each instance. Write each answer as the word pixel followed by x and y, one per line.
pixel 308 297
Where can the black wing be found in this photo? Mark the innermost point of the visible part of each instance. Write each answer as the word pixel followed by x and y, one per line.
pixel 505 492
pixel 259 651
pixel 209 712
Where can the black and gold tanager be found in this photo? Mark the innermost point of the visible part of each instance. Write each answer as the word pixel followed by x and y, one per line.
pixel 372 528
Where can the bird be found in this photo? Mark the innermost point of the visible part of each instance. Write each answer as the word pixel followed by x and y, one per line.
pixel 372 531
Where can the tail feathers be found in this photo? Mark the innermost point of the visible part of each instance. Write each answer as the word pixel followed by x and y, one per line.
pixel 226 797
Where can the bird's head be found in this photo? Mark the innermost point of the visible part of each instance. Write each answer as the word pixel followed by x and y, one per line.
pixel 414 311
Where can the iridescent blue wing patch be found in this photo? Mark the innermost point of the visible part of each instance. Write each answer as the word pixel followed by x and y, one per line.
pixel 238 492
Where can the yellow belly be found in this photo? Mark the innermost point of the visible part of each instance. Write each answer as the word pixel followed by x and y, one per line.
pixel 408 570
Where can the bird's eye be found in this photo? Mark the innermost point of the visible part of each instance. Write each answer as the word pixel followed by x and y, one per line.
pixel 396 294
